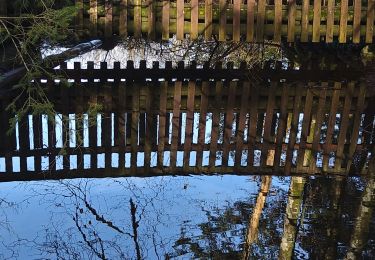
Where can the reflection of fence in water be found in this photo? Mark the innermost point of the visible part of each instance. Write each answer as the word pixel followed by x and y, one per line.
pixel 252 20
pixel 183 127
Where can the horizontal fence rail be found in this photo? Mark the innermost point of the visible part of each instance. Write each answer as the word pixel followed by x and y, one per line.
pixel 190 126
pixel 250 20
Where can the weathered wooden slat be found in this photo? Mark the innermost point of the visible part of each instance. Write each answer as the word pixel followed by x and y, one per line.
pixel 305 127
pixel 343 21
pixel 261 16
pixel 305 21
pixel 278 20
pixel 189 123
pixel 281 129
pixel 252 125
pixel 149 122
pixel 293 130
pixel 292 20
pixel 242 123
pixel 137 18
pixel 250 15
pixel 175 123
pixel 3 8
pixel 108 18
pixel 356 126
pixel 194 19
pixel 317 129
pixel 236 20
pixel 215 123
pixel 165 20
pixel 162 122
pixel 205 90
pixel 94 17
pixel 120 124
pixel 107 128
pixel 223 20
pixel 370 21
pixel 316 20
pixel 208 20
pixel 267 140
pixel 79 17
pixel 24 142
pixel 357 21
pixel 229 117
pixel 331 124
pixel 37 129
pixel 134 127
pixel 330 20
pixel 151 19
pixel 180 20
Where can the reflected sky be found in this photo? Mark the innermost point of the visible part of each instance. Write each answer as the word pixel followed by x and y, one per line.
pixel 178 217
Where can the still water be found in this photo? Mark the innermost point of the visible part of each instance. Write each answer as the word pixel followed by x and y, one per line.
pixel 206 217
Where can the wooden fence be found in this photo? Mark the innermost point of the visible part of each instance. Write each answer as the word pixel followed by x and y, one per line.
pixel 253 21
pixel 189 125
pixel 250 20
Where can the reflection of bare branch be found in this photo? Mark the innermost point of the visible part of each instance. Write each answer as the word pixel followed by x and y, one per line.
pixel 101 254
pixel 135 224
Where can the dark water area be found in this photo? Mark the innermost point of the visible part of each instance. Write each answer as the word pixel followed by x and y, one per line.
pixel 205 217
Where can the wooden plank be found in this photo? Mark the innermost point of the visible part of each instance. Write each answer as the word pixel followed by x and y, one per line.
pixel 175 123
pixel 330 20
pixel 120 124
pixel 165 20
pixel 252 125
pixel 331 124
pixel 93 136
pixel 343 21
pixel 137 18
pixel 236 20
pixel 229 117
pixel 79 17
pixel 370 21
pixel 202 121
pixel 208 20
pixel 344 126
pixel 215 124
pixel 357 21
pixel 94 17
pixel 162 122
pixel 283 117
pixel 189 124
pixel 149 122
pixel 24 142
pixel 356 124
pixel 78 93
pixel 316 20
pixel 222 20
pixel 261 16
pixel 267 140
pixel 317 129
pixel 108 18
pixel 38 143
pixel 3 8
pixel 305 127
pixel 180 20
pixel 242 123
pixel 123 20
pixel 291 20
pixel 151 19
pixel 305 21
pixel 107 128
pixel 134 127
pixel 194 19
pixel 293 130
pixel 278 20
pixel 250 15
